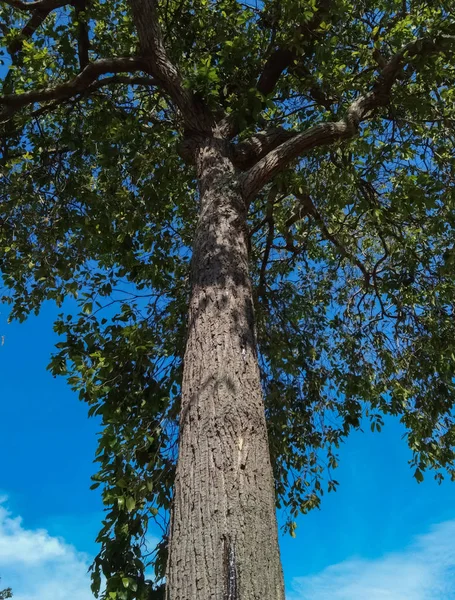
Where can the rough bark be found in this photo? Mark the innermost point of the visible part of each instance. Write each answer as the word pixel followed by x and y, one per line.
pixel 224 543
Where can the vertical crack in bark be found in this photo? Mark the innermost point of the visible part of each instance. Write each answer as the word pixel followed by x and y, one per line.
pixel 230 569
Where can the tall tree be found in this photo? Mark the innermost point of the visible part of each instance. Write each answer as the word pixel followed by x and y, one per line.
pixel 301 152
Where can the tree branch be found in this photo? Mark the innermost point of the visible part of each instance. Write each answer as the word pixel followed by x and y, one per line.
pixel 274 67
pixel 146 20
pixel 269 241
pixel 113 79
pixel 85 81
pixel 283 57
pixel 38 16
pixel 83 42
pixel 278 159
pixel 315 91
pixel 41 5
pixel 40 10
pixel 308 204
pixel 245 154
pixel 325 134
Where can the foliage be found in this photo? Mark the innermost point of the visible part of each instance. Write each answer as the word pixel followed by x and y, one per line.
pixel 6 593
pixel 352 253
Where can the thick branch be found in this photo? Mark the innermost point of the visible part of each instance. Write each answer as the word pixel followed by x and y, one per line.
pixel 247 153
pixel 39 11
pixel 83 42
pixel 96 85
pixel 278 159
pixel 325 134
pixel 38 16
pixel 276 64
pixel 279 60
pixel 146 20
pixel 283 57
pixel 11 103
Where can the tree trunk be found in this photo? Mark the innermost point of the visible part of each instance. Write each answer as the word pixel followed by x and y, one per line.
pixel 223 542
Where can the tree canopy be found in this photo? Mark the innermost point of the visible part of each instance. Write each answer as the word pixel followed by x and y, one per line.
pixel 340 117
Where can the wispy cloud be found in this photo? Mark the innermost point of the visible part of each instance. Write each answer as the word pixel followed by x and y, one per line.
pixel 39 566
pixel 423 571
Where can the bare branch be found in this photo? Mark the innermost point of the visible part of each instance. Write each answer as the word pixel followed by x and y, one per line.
pixel 83 82
pixel 362 108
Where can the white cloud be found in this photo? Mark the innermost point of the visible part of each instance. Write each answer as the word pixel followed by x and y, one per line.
pixel 38 566
pixel 423 571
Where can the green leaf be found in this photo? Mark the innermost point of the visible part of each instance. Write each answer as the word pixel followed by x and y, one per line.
pixel 418 475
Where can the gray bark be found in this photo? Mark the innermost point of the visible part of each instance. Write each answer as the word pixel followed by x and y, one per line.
pixel 224 542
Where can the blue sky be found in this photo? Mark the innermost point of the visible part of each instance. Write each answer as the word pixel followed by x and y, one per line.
pixel 381 536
